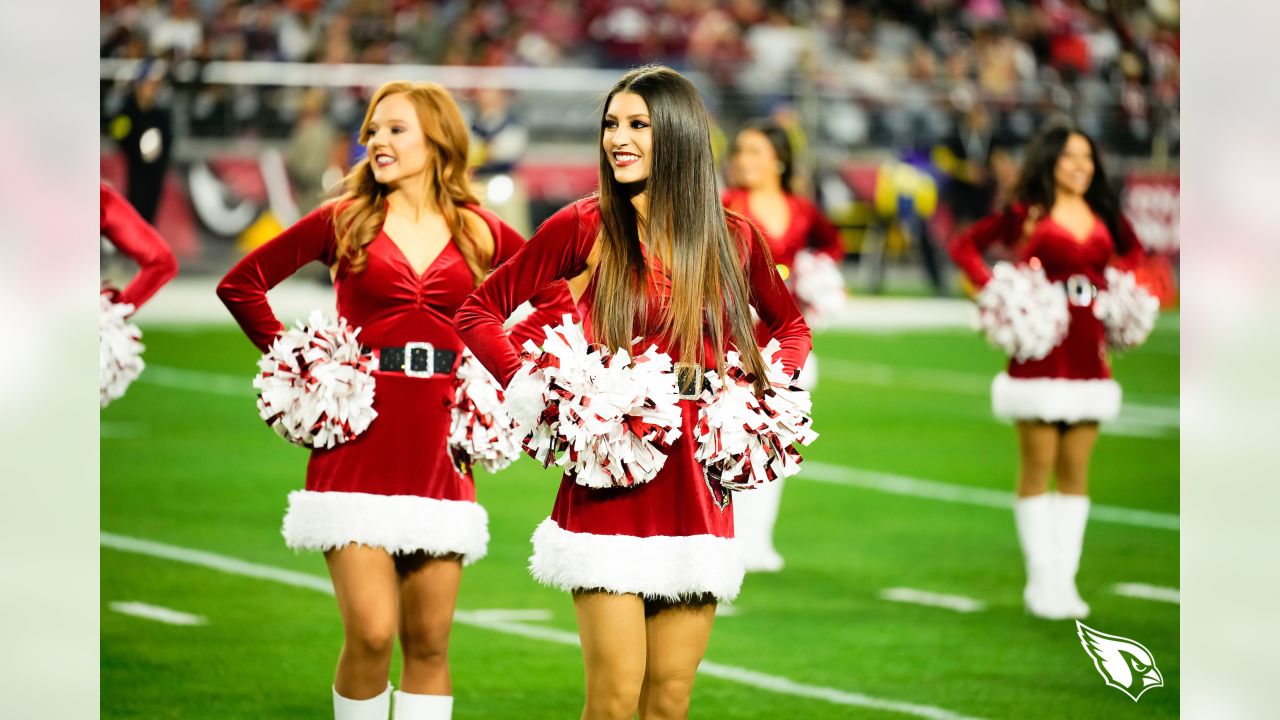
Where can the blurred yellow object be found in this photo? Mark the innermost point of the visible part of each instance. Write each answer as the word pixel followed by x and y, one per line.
pixel 897 181
pixel 477 153
pixel 784 271
pixel 121 126
pixel 262 230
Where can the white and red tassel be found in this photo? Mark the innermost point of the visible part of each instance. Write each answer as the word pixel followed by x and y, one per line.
pixel 745 440
pixel 480 430
pixel 119 351
pixel 1127 310
pixel 607 418
pixel 819 286
pixel 316 383
pixel 1021 312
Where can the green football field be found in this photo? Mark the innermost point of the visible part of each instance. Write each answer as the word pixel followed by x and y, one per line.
pixel 906 490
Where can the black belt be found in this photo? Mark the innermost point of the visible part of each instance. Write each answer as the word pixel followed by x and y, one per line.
pixel 416 359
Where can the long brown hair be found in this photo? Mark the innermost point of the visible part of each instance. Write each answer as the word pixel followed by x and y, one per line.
pixel 362 208
pixel 1036 184
pixel 685 227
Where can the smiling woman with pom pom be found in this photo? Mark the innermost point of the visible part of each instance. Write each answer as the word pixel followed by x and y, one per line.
pixel 662 275
pixel 389 495
pixel 1055 313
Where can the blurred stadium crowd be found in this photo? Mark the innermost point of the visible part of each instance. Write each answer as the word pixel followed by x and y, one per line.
pixel 906 72
pixel 906 118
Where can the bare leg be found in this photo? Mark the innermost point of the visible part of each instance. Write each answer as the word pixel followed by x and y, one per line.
pixel 364 582
pixel 1038 447
pixel 1074 452
pixel 428 595
pixel 677 640
pixel 612 629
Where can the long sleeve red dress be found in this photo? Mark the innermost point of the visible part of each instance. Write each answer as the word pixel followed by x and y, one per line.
pixel 1073 382
pixel 124 227
pixel 670 538
pixel 395 486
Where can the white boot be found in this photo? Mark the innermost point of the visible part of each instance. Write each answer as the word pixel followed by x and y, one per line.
pixel 755 512
pixel 375 708
pixel 410 706
pixel 1070 514
pixel 1034 519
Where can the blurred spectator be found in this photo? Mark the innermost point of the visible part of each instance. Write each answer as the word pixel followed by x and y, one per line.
pixel 309 157
pixel 178 33
pixel 144 131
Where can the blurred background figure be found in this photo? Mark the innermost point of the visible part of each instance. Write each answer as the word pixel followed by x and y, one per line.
pixel 313 156
pixel 761 178
pixel 1065 219
pixel 498 141
pixel 144 131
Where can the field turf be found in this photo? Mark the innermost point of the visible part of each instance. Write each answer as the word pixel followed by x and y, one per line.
pixel 187 463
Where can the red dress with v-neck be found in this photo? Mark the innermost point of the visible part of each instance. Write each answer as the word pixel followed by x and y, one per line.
pixel 672 537
pixel 394 486
pixel 1073 382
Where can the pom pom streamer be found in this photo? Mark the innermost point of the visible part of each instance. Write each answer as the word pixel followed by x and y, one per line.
pixel 480 430
pixel 1022 313
pixel 609 419
pixel 1127 310
pixel 119 351
pixel 819 286
pixel 744 440
pixel 316 384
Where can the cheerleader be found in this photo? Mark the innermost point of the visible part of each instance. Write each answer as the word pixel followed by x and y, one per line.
pixel 651 256
pixel 124 228
pixel 1064 218
pixel 761 172
pixel 394 516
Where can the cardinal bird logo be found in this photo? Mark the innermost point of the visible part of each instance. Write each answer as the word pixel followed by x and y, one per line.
pixel 1125 664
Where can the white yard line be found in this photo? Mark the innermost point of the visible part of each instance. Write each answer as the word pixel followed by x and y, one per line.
pixel 501 621
pixel 958 603
pixel 1143 591
pixel 157 613
pixel 199 380
pixel 966 495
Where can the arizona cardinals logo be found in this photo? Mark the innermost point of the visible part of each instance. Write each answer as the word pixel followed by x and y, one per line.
pixel 1125 664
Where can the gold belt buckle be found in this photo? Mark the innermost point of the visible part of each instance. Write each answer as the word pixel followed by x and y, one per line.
pixel 689 375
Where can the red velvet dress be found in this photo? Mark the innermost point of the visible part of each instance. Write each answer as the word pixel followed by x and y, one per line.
pixel 395 486
pixel 124 227
pixel 1073 382
pixel 670 538
pixel 808 229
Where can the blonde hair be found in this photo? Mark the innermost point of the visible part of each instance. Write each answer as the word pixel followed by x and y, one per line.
pixel 362 207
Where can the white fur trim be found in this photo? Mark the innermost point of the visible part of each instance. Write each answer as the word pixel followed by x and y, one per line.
pixel 662 567
pixel 1054 399
pixel 395 523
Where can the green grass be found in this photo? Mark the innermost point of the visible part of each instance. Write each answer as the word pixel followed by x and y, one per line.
pixel 198 469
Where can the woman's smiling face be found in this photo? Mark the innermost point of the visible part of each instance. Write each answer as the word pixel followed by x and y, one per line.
pixel 627 138
pixel 396 146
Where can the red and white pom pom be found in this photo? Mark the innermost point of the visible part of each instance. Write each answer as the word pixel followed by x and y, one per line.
pixel 744 440
pixel 480 430
pixel 316 383
pixel 819 286
pixel 1127 310
pixel 606 418
pixel 1022 313
pixel 119 351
